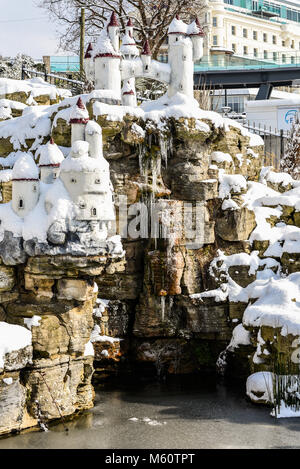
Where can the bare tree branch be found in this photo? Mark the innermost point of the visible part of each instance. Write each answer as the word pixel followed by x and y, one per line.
pixel 152 18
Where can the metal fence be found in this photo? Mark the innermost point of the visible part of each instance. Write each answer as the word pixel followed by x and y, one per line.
pixel 275 142
pixel 75 86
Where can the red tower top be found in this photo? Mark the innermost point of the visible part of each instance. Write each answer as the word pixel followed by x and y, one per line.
pixel 147 49
pixel 113 21
pixel 130 23
pixel 88 52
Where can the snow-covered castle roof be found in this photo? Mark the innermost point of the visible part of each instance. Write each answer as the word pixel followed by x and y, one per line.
pixel 79 160
pixel 50 155
pixel 79 113
pixel 104 46
pixel 25 169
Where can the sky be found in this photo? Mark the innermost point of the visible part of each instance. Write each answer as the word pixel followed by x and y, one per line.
pixel 25 28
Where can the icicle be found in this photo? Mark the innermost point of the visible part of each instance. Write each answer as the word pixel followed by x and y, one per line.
pixel 163 143
pixel 163 307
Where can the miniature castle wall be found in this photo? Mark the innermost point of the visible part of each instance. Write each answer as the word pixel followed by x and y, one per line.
pixel 109 65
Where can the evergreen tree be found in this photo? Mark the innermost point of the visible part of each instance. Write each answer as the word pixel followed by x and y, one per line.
pixel 291 160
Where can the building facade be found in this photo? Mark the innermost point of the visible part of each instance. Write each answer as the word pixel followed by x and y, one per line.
pixel 253 29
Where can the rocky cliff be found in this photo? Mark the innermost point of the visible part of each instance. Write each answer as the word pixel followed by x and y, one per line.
pixel 179 304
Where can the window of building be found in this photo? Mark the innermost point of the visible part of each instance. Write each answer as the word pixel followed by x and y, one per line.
pixel 34 188
pixel 245 32
pixel 293 44
pixel 233 47
pixel 73 181
pixel 283 43
pixel 21 203
pixel 274 56
pixel 215 40
pixel 94 212
pixel 292 60
pixel 265 37
pixel 265 54
pixel 245 50
pixel 255 52
pixel 215 21
pixel 233 30
pixel 82 205
pixel 98 181
pixel 274 39
pixel 255 35
pixel 283 58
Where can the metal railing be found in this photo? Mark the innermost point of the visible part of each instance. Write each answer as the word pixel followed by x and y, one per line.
pixel 75 86
pixel 275 142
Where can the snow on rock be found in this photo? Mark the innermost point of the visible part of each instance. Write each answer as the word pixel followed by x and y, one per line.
pixel 25 168
pixel 277 304
pixel 12 338
pixel 230 183
pixel 97 337
pixel 179 106
pixel 32 322
pixel 240 336
pixel 267 175
pixel 259 387
pixel 220 157
pixel 34 124
pixel 34 87
pixel 89 350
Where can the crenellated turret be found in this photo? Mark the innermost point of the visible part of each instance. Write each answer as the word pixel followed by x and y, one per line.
pixel 113 29
pixel 196 33
pixel 89 67
pixel 93 135
pixel 50 159
pixel 128 94
pixel 25 185
pixel 129 28
pixel 79 117
pixel 107 61
pixel 87 181
pixel 177 30
pixel 146 56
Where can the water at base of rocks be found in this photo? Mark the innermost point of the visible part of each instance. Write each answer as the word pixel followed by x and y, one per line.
pixel 181 415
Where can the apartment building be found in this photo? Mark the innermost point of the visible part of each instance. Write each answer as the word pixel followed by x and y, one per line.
pixel 253 29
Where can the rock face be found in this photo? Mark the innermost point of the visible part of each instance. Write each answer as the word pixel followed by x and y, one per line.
pixel 55 298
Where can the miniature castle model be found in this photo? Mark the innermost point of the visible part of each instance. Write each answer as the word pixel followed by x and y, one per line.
pixel 108 64
pixel 85 176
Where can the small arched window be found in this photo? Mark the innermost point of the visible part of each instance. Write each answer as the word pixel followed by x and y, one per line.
pixel 82 205
pixel 98 181
pixel 34 188
pixel 73 181
pixel 21 203
pixel 147 67
pixel 94 212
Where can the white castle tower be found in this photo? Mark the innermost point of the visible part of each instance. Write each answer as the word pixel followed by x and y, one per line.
pixel 196 33
pixel 87 181
pixel 25 185
pixel 93 135
pixel 50 159
pixel 180 59
pixel 89 68
pixel 146 57
pixel 128 94
pixel 113 64
pixel 107 58
pixel 128 48
pixel 79 117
